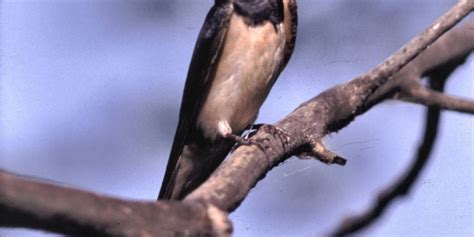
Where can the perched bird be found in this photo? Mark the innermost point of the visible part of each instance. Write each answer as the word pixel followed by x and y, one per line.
pixel 242 48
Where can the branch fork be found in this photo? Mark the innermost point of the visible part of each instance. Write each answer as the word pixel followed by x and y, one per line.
pixel 28 203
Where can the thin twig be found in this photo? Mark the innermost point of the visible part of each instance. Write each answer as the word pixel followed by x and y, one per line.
pixel 417 93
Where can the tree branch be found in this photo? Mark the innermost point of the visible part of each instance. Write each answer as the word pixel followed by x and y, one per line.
pixel 419 94
pixel 328 112
pixel 37 205
pixel 403 185
pixel 452 48
pixel 32 204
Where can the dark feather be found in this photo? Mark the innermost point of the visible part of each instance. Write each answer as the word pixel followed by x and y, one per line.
pixel 257 12
pixel 291 33
pixel 203 65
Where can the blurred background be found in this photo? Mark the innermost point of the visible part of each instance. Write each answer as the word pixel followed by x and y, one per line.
pixel 90 93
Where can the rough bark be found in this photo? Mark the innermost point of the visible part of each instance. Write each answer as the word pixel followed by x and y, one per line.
pixel 28 203
pixel 402 186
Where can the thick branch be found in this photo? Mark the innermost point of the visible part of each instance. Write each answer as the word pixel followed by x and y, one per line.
pixel 37 205
pixel 27 203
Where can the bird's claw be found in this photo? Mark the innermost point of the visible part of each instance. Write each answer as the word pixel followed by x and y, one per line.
pixel 248 138
pixel 252 130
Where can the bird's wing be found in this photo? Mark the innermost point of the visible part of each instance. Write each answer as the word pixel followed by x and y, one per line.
pixel 200 76
pixel 291 24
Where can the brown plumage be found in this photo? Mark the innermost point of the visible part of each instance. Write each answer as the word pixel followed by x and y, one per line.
pixel 242 48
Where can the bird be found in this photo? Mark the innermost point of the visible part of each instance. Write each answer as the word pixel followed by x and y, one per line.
pixel 242 48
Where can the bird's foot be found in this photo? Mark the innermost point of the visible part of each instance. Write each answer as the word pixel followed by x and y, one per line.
pixel 248 138
pixel 238 139
pixel 252 130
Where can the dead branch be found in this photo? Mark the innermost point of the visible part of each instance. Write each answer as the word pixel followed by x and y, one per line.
pixel 328 112
pixel 438 62
pixel 417 93
pixel 28 203
pixel 32 204
pixel 404 184
pixel 453 49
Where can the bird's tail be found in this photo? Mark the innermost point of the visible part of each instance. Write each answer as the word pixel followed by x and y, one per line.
pixel 176 184
pixel 166 191
pixel 194 165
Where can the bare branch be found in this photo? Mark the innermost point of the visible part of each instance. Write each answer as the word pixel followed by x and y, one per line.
pixel 326 113
pixel 28 203
pixel 403 185
pixel 417 93
pixel 452 48
pixel 439 60
pixel 32 204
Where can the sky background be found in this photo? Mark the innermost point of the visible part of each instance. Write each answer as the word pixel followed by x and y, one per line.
pixel 90 94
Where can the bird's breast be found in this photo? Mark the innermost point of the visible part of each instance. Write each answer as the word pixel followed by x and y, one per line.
pixel 248 66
